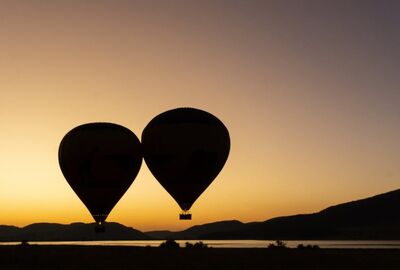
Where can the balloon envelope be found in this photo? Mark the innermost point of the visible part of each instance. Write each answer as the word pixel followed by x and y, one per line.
pixel 185 149
pixel 100 162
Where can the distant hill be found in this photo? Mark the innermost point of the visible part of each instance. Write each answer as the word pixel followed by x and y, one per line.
pixel 374 218
pixel 199 231
pixel 159 235
pixel 71 232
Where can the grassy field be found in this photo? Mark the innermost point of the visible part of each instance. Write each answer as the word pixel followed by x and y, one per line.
pixel 112 258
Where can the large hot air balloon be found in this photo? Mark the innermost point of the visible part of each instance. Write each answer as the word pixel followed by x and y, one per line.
pixel 100 162
pixel 185 149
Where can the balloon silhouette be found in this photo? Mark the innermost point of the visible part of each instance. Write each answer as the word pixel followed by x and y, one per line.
pixel 185 149
pixel 100 162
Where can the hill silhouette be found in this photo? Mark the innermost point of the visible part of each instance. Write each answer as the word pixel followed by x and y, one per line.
pixel 220 228
pixel 377 217
pixel 373 218
pixel 71 232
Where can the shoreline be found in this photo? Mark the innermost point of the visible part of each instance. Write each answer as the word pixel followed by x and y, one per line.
pixel 323 244
pixel 127 257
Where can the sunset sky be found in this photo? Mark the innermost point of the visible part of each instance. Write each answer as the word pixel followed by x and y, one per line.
pixel 309 91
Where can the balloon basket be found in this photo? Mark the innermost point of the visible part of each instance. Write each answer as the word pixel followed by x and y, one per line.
pixel 185 216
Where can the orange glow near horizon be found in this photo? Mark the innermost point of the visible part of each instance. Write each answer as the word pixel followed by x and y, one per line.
pixel 311 101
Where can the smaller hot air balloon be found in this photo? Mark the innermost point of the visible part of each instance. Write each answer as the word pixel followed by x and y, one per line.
pixel 100 162
pixel 185 149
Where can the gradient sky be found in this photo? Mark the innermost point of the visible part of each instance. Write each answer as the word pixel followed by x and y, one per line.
pixel 309 91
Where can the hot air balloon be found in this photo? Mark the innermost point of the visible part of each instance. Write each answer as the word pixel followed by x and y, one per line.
pixel 185 149
pixel 100 162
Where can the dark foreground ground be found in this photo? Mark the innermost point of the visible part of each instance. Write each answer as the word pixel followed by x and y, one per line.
pixel 113 258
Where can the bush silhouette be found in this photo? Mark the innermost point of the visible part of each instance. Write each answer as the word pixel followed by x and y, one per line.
pixel 169 244
pixel 301 246
pixel 199 244
pixel 278 244
pixel 188 245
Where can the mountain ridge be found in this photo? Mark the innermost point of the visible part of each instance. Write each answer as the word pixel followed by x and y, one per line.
pixel 77 231
pixel 372 218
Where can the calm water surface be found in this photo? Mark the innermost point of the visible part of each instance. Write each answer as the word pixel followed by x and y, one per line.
pixel 228 243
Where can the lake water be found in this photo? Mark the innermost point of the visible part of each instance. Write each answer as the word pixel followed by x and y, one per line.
pixel 229 243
